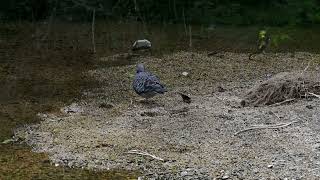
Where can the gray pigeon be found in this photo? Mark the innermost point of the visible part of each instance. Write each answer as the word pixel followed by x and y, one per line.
pixel 146 84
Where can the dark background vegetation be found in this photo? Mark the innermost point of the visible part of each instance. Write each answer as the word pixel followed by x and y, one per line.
pixel 230 12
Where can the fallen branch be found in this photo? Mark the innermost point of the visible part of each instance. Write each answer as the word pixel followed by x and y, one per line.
pixel 315 95
pixel 282 102
pixel 276 126
pixel 275 115
pixel 144 154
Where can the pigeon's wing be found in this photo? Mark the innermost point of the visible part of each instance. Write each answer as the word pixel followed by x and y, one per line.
pixel 146 82
pixel 152 83
pixel 139 83
pixel 152 78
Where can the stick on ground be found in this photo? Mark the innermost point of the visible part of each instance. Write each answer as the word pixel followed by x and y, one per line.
pixel 282 102
pixel 275 126
pixel 307 67
pixel 313 94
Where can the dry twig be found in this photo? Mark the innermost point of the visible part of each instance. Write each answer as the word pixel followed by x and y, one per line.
pixel 307 67
pixel 144 154
pixel 313 94
pixel 275 115
pixel 275 126
pixel 282 102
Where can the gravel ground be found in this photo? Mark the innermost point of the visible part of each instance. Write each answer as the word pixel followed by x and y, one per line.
pixel 187 141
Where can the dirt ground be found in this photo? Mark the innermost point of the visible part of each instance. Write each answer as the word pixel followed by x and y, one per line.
pixel 188 141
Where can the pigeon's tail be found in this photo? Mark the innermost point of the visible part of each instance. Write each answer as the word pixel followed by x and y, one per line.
pixel 160 89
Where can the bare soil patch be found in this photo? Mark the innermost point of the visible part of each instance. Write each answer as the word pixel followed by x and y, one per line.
pixel 196 140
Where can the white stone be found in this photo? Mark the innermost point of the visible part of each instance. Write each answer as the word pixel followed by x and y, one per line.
pixel 141 44
pixel 185 73
pixel 225 177
pixel 72 108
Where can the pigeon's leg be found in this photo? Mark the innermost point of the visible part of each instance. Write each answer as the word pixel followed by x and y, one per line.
pixel 141 100
pixel 146 101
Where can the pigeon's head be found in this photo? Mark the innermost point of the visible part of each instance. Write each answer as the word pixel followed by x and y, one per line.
pixel 140 68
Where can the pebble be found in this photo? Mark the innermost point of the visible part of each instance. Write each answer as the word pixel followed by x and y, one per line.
pixel 268 76
pixel 69 164
pixel 187 172
pixel 185 73
pixel 225 177
pixel 184 173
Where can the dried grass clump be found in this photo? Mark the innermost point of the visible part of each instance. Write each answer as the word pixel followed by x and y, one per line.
pixel 282 87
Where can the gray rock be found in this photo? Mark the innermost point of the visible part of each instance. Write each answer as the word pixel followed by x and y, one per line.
pixel 72 108
pixel 141 44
